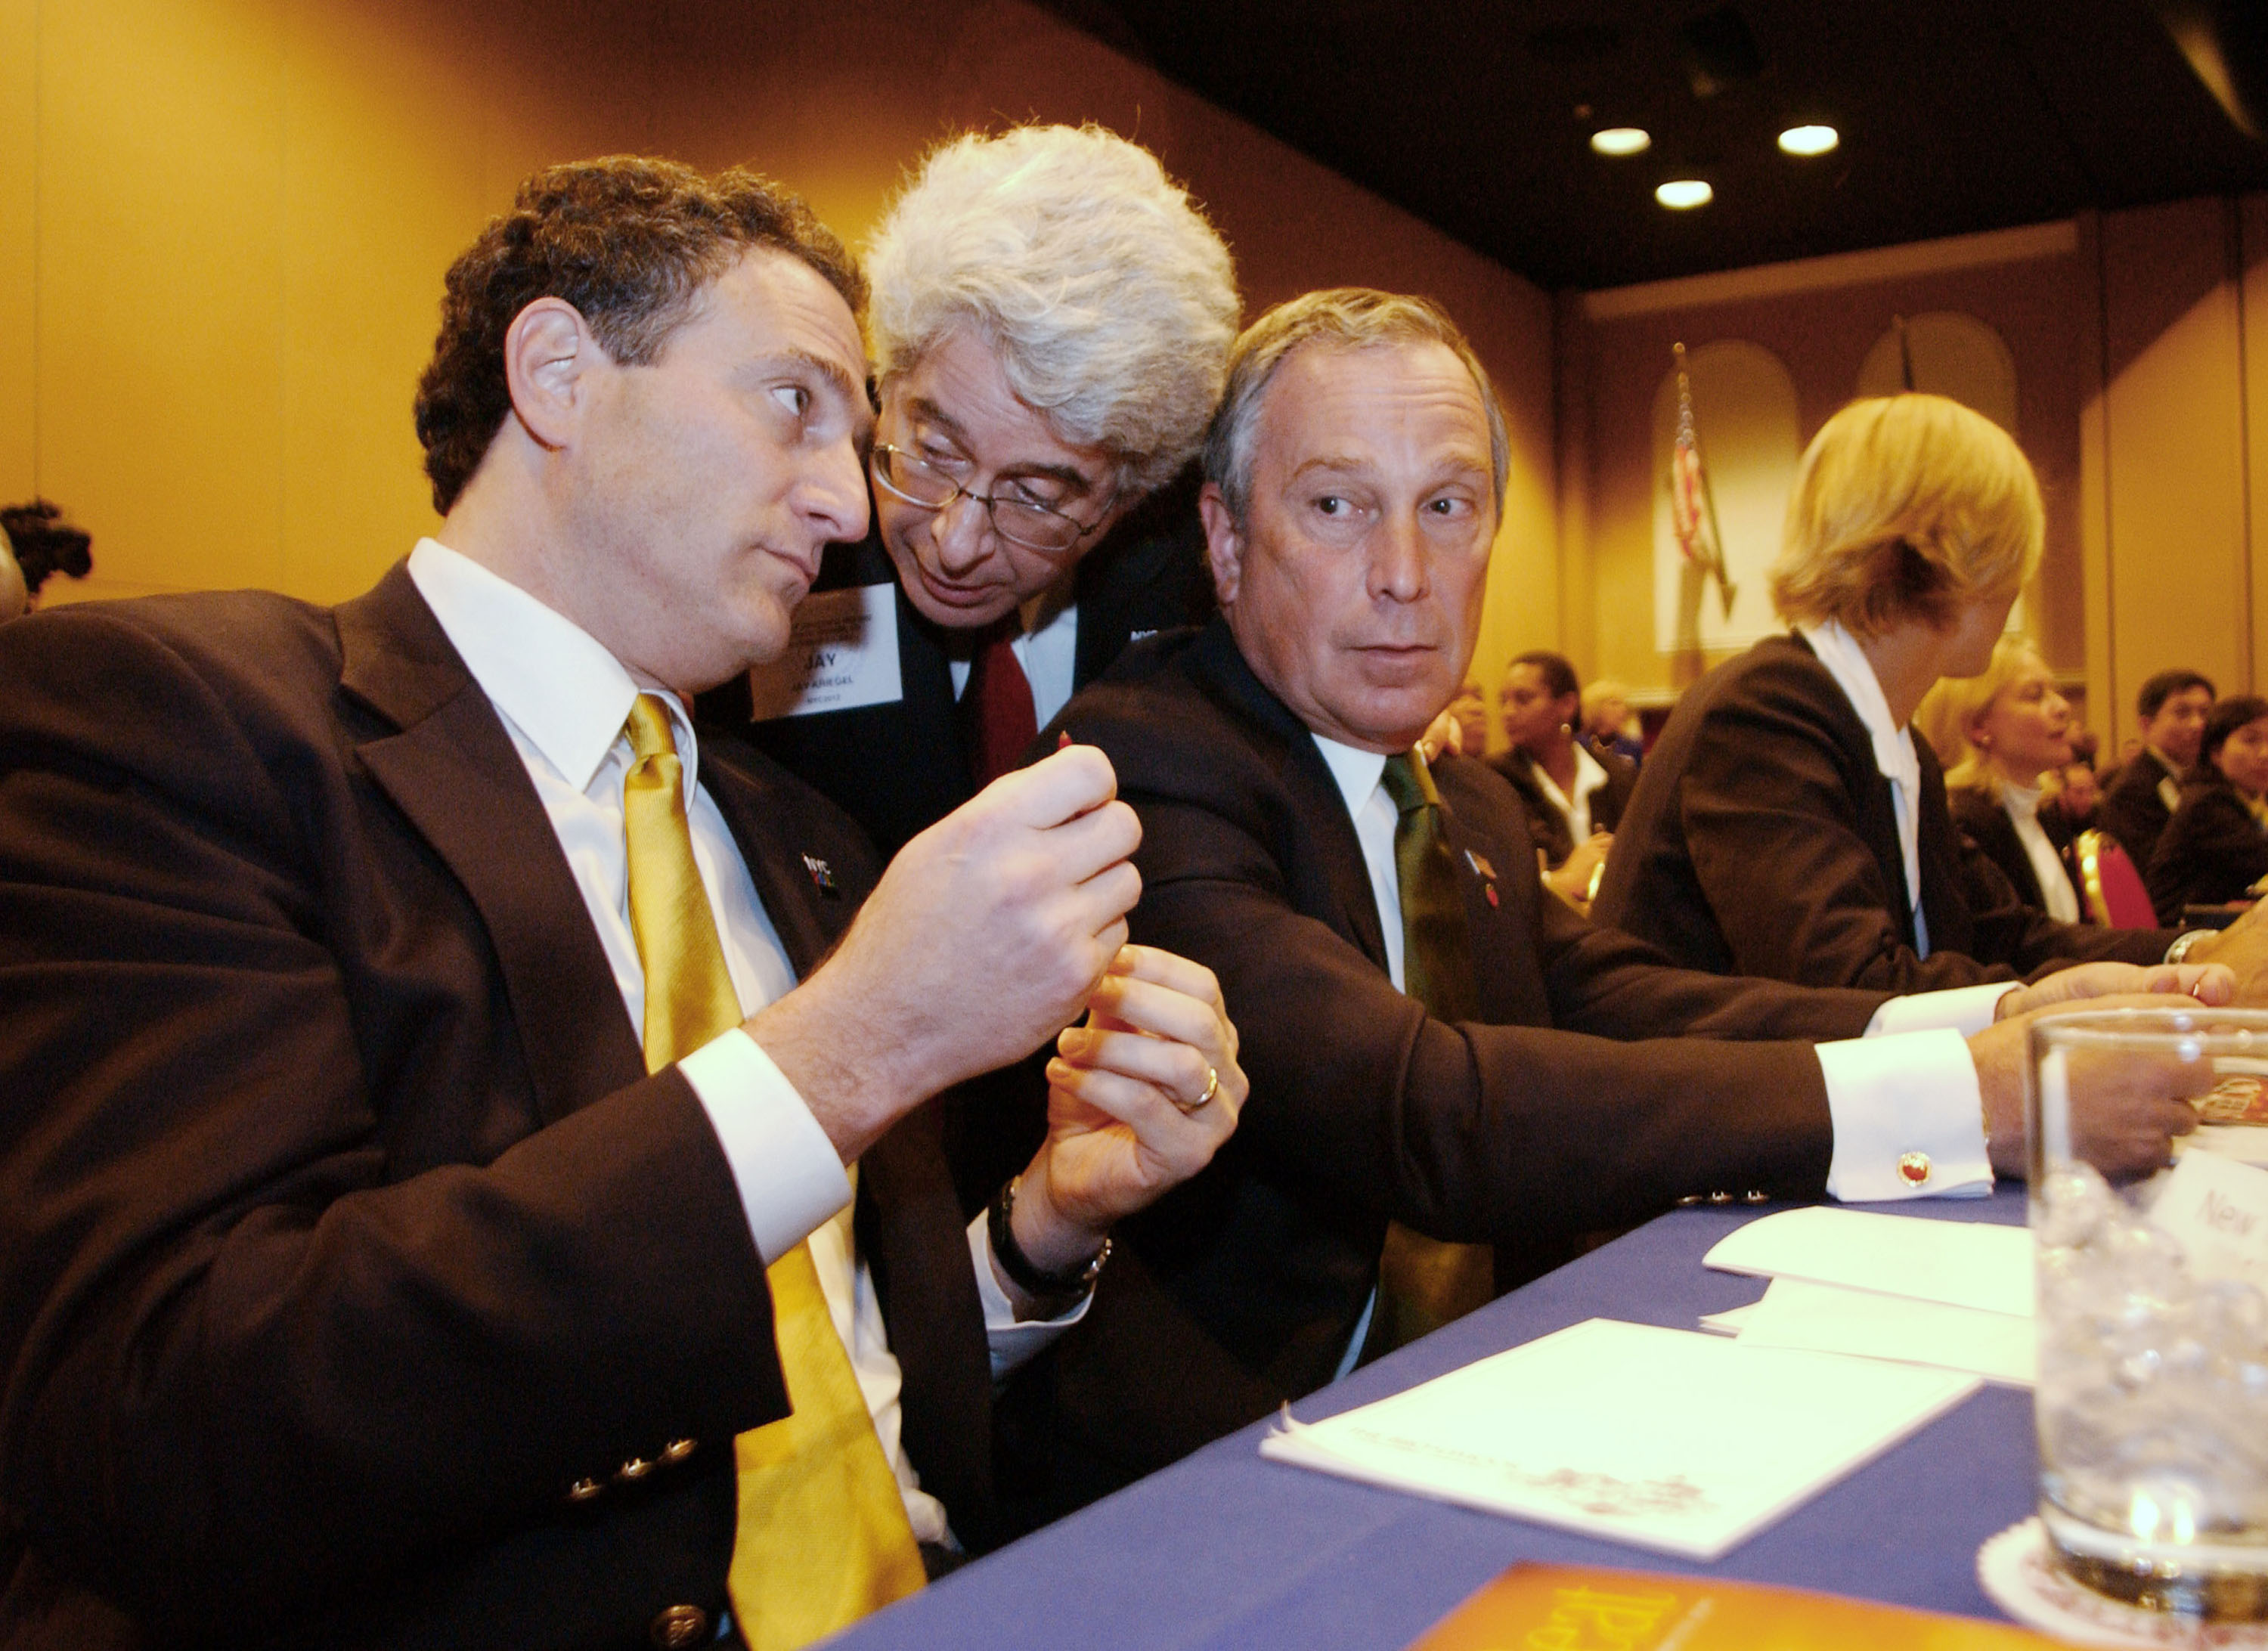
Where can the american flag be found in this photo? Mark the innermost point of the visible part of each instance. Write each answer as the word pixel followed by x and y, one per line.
pixel 1692 513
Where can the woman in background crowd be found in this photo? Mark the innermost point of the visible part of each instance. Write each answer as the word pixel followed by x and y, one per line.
pixel 1787 823
pixel 2000 735
pixel 1575 797
pixel 2215 847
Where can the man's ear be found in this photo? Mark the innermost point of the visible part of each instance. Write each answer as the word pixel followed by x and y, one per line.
pixel 548 353
pixel 1224 543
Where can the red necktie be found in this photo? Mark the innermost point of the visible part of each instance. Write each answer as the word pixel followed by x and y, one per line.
pixel 995 707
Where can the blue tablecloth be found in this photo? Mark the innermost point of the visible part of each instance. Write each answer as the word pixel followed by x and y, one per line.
pixel 1227 1550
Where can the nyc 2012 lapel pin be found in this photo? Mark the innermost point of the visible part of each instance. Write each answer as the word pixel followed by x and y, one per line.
pixel 1486 872
pixel 823 876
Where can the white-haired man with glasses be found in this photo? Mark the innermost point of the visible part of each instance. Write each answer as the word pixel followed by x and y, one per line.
pixel 1050 323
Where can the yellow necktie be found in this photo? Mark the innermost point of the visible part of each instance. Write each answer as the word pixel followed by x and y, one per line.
pixel 822 1537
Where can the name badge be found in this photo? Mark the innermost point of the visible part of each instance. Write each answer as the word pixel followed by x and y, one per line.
pixel 2218 1209
pixel 842 653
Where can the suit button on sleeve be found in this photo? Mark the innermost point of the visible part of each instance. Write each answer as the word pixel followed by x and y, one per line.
pixel 678 1627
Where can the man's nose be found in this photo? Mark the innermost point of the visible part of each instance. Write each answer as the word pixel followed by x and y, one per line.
pixel 962 531
pixel 1398 566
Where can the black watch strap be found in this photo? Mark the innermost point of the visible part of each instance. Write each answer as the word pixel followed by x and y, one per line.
pixel 1043 1286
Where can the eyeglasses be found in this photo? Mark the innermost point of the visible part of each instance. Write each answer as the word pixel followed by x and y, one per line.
pixel 1019 521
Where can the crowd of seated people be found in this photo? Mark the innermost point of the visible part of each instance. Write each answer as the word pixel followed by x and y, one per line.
pixel 438 931
pixel 2214 848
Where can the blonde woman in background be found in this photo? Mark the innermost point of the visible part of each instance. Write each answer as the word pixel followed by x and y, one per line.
pixel 1999 735
pixel 1787 823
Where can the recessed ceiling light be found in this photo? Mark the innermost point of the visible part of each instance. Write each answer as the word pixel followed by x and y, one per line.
pixel 1683 194
pixel 1809 140
pixel 1621 140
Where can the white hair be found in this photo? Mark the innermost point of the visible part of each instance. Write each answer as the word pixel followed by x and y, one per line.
pixel 1109 301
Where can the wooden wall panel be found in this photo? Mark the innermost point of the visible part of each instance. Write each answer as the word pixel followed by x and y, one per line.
pixel 160 284
pixel 247 206
pixel 2174 421
pixel 19 88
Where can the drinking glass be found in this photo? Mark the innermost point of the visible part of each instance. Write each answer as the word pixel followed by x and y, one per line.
pixel 2153 1396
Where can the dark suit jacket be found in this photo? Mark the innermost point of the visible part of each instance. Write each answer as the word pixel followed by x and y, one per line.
pixel 899 768
pixel 1984 825
pixel 1550 826
pixel 1545 1116
pixel 340 1229
pixel 2132 810
pixel 1762 840
pixel 2212 849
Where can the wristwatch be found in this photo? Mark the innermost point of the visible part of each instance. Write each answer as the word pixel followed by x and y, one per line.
pixel 1047 1288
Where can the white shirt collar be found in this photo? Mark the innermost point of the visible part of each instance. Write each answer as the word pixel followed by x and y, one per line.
pixel 2022 802
pixel 1357 772
pixel 1839 652
pixel 1589 777
pixel 554 679
pixel 1894 758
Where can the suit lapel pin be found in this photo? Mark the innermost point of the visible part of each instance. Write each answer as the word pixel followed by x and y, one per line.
pixel 823 876
pixel 1486 872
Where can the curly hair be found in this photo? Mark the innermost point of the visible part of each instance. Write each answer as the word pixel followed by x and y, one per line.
pixel 1905 508
pixel 1109 300
pixel 1349 318
pixel 627 239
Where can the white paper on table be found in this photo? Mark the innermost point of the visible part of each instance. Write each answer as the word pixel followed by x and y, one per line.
pixel 1960 1263
pixel 2218 1209
pixel 1729 1322
pixel 2001 1348
pixel 2247 1143
pixel 1684 1443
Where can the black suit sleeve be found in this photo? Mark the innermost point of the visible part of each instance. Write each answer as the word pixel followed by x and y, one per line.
pixel 1485 1132
pixel 252 1361
pixel 1775 813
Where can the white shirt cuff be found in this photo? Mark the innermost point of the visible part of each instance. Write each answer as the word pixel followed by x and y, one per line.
pixel 791 1179
pixel 1011 1343
pixel 1967 1010
pixel 1909 1117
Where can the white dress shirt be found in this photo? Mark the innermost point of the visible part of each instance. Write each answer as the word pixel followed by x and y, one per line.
pixel 1048 649
pixel 1894 758
pixel 1907 1085
pixel 563 700
pixel 1574 808
pixel 2022 805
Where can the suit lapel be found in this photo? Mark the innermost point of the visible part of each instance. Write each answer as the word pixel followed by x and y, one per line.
pixel 453 770
pixel 1300 766
pixel 799 889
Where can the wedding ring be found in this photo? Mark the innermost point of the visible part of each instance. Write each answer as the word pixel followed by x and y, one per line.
pixel 1212 1088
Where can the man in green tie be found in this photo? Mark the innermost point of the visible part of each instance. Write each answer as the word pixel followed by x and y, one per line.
pixel 427 1204
pixel 1433 1042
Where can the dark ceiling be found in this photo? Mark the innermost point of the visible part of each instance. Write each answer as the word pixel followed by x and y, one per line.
pixel 1476 114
